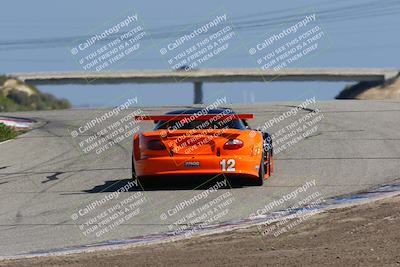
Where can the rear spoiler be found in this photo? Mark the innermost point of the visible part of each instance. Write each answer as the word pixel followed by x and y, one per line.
pixel 193 117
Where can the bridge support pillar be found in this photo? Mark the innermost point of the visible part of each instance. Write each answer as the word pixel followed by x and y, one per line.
pixel 198 93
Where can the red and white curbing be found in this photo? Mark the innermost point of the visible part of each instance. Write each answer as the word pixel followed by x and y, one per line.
pixel 19 124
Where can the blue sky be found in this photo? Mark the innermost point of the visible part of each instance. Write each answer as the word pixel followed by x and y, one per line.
pixel 36 36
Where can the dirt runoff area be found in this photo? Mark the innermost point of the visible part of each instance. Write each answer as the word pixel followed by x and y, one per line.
pixel 364 235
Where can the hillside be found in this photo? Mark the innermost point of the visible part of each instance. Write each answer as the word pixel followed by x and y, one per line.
pixel 15 95
pixel 372 91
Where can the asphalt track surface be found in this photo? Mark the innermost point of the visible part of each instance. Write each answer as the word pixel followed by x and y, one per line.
pixel 45 177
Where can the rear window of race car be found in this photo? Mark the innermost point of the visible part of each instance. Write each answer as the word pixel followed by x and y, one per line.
pixel 201 124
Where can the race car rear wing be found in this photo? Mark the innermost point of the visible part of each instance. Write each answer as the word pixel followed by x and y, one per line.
pixel 206 117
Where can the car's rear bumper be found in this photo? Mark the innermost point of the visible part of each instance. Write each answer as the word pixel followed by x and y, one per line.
pixel 208 164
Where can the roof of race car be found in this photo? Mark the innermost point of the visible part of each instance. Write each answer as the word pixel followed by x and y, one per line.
pixel 195 110
pixel 234 124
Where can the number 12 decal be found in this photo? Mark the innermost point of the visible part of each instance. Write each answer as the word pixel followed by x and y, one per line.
pixel 228 165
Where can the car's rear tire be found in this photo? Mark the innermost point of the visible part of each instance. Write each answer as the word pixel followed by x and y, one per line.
pixel 133 170
pixel 261 172
pixel 268 165
pixel 269 152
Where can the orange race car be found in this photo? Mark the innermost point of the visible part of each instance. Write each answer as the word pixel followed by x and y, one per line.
pixel 199 142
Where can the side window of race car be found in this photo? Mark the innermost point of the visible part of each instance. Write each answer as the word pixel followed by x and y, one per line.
pixel 228 165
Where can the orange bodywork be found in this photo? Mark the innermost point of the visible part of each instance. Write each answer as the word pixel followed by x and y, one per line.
pixel 195 151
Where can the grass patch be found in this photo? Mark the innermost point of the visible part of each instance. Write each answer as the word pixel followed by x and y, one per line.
pixel 7 104
pixel 6 133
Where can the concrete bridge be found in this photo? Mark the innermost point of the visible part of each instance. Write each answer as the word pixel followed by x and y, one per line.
pixel 198 77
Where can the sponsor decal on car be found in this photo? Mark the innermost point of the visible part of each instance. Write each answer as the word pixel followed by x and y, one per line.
pixel 192 164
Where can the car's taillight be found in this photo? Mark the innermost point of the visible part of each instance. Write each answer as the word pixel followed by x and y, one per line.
pixel 233 144
pixel 155 145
